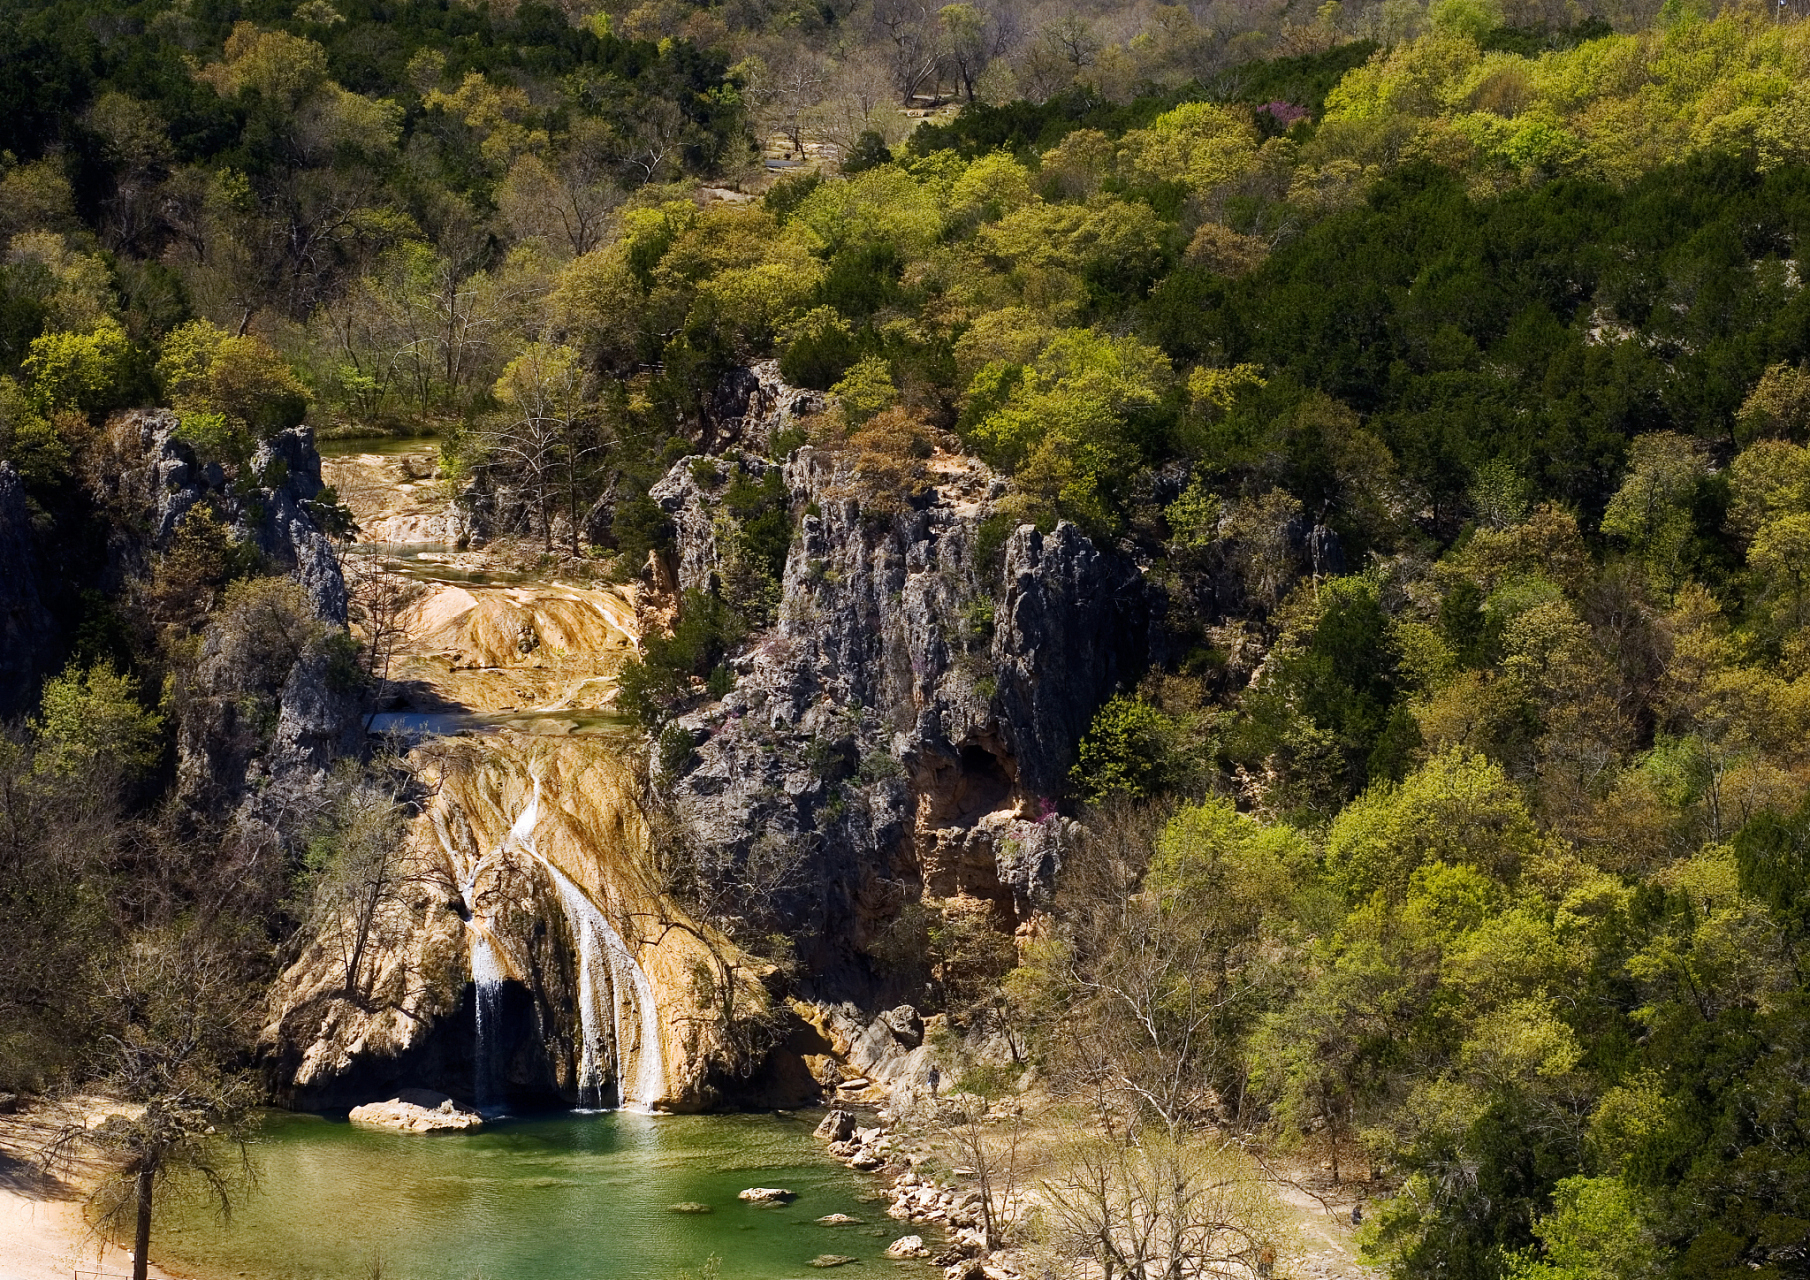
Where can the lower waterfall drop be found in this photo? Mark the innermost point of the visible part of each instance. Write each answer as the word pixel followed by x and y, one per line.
pixel 608 969
pixel 487 978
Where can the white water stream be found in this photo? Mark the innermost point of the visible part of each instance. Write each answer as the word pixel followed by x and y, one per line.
pixel 607 971
pixel 605 962
pixel 487 977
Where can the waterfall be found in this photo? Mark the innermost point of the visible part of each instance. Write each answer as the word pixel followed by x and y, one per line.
pixel 486 969
pixel 608 969
pixel 487 977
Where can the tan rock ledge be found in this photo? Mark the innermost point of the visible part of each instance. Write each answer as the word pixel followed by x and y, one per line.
pixel 416 1111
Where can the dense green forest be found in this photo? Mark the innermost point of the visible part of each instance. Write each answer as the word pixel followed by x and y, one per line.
pixel 1449 371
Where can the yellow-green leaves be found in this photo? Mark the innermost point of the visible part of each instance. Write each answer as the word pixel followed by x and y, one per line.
pixel 865 390
pixel 1061 424
pixel 1724 951
pixel 238 386
pixel 1457 808
pixel 1215 391
pixel 1599 1229
pixel 92 720
pixel 991 187
pixel 1124 752
pixel 1228 862
pixel 282 68
pixel 1652 509
pixel 80 292
pixel 1198 144
pixel 78 370
pixel 497 113
pixel 882 204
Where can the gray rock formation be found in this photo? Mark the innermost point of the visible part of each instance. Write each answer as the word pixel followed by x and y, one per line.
pixel 263 730
pixel 150 480
pixel 754 404
pixel 909 718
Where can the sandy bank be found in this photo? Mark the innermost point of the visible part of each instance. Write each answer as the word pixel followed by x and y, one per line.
pixel 43 1232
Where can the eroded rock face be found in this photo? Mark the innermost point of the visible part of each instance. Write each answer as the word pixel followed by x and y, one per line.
pixel 151 480
pixel 255 749
pixel 914 708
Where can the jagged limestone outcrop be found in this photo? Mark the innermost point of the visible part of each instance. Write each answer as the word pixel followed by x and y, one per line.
pixel 915 707
pixel 902 727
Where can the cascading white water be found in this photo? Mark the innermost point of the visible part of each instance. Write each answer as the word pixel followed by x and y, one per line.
pixel 607 971
pixel 486 969
pixel 604 960
pixel 487 978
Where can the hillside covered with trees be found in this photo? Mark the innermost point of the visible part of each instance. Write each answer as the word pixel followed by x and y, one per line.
pixel 1447 373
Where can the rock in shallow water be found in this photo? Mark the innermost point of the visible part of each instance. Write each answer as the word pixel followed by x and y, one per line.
pixel 766 1195
pixel 416 1111
pixel 838 1220
pixel 831 1260
pixel 907 1247
pixel 689 1206
pixel 836 1126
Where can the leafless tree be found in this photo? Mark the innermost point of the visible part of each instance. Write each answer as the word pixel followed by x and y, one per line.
pixel 357 872
pixel 174 1014
pixel 1144 974
pixel 996 1149
pixel 381 601
pixel 913 34
pixel 1162 1209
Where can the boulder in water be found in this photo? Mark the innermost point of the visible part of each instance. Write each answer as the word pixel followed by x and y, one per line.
pixel 838 1220
pixel 831 1260
pixel 767 1195
pixel 689 1206
pixel 907 1247
pixel 836 1126
pixel 416 1111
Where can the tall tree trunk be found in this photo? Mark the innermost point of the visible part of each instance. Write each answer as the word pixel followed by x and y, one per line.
pixel 141 1243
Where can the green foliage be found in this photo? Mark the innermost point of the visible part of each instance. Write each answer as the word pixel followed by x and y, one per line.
pixel 1598 1230
pixel 651 687
pixel 869 152
pixel 87 371
pixel 1125 752
pixel 819 349
pixel 675 753
pixel 92 724
pixel 1457 808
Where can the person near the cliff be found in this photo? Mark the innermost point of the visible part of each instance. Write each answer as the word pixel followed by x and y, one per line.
pixel 936 1078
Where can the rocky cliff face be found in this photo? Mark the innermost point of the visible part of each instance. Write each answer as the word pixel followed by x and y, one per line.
pixel 908 719
pixel 259 722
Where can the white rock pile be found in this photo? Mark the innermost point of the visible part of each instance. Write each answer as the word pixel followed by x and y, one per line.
pixel 955 1209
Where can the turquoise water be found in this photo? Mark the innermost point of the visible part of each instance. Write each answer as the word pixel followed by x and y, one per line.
pixel 565 1197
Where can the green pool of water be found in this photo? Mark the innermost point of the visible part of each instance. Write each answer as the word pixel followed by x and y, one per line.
pixel 564 1197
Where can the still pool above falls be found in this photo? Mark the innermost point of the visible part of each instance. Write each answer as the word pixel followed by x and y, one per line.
pixel 559 1197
